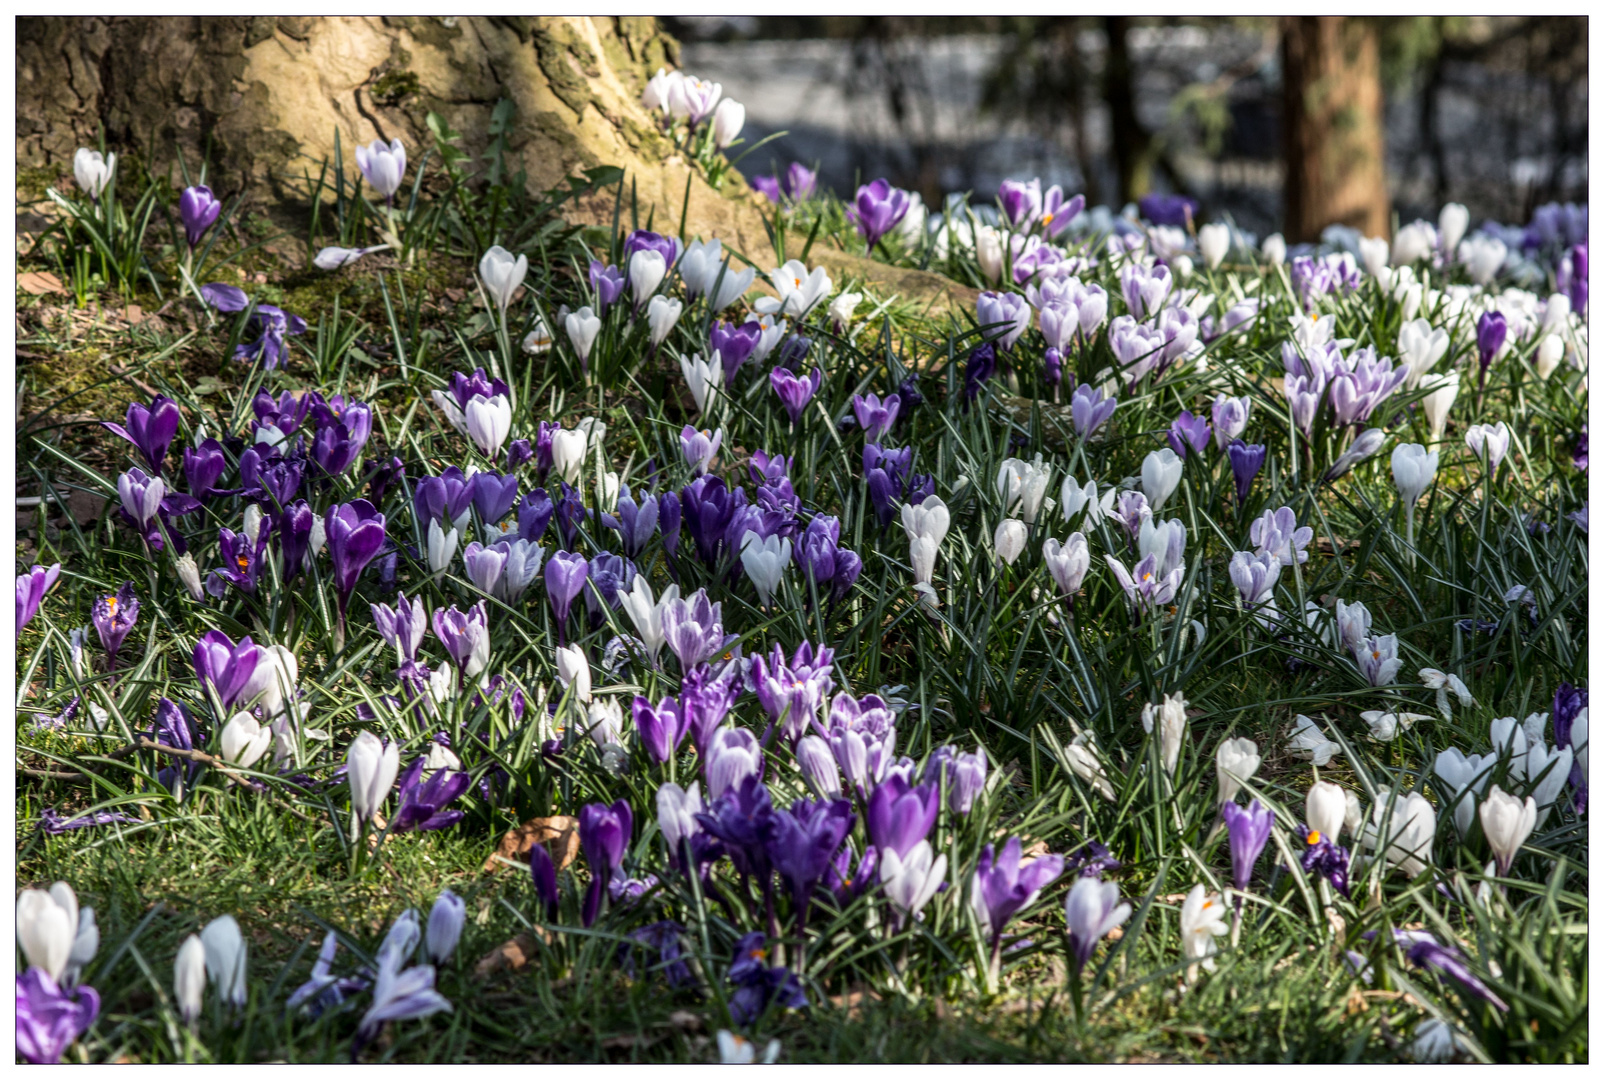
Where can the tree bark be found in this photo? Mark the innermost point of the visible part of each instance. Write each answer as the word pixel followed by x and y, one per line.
pixel 1133 144
pixel 1332 117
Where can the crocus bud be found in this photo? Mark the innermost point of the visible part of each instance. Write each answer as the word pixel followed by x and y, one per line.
pixel 646 272
pixel 1413 470
pixel 502 275
pixel 1161 475
pixel 84 946
pixel 489 422
pixel 1325 809
pixel 573 671
pixel 728 119
pixel 446 919
pixel 1009 539
pixel 818 767
pixel 1235 762
pixel 47 924
pixel 568 454
pixel 383 165
pixel 198 209
pixel 583 326
pixel 1214 241
pixel 189 977
pixel 245 740
pixel 189 574
pixel 371 768
pixel 442 548
pixel 92 171
pixel 1374 252
pixel 1451 225
pixel 661 315
pixel 1274 249
pixel 1550 351
pixel 1507 822
pixel 224 948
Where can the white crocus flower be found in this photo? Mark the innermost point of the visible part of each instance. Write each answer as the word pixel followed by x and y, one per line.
pixel 1009 540
pixel 1214 241
pixel 1308 740
pixel 1170 718
pixel 1407 835
pixel 573 671
pixel 1446 683
pixel 583 327
pixel 189 978
pixel 765 560
pixel 503 275
pixel 1202 920
pixel 647 613
pixel 226 964
pixel 1161 475
pixel 1024 485
pixel 244 740
pixel 1235 762
pixel 736 1050
pixel 92 171
pixel 489 422
pixel 1324 809
pixel 448 405
pixel 442 548
pixel 911 881
pixel 799 290
pixel 1465 776
pixel 568 454
pixel 661 315
pixel 1507 823
pixel 1081 754
pixel 704 379
pixel 47 926
pixel 1439 402
pixel 647 269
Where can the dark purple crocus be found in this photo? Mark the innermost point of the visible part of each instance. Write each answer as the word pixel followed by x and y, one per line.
pixel 1491 329
pixel 661 728
pixel 818 549
pixel 1569 701
pixel 800 181
pixel 900 815
pixel 1249 829
pixel 242 558
pixel 52 823
pixel 877 209
pixel 847 883
pixel 172 726
pixel 734 344
pixel 1003 888
pixel 286 412
pixel 1425 951
pixel 741 818
pixel 464 388
pixel 534 514
pixel 795 393
pixel 204 466
pixel 197 209
pixel 608 574
pixel 759 986
pixel 981 366
pixel 709 506
pixel 604 833
pixel 31 589
pixel 1246 461
pixel 570 512
pixel 1188 433
pixel 1322 855
pixel 1053 369
pixel 225 666
pixel 663 939
pixel 355 533
pixel 566 572
pixel 634 522
pixel 114 618
pixel 802 843
pixel 343 430
pixel 519 453
pixel 50 1018
pixel 423 805
pixel 608 284
pixel 641 240
pixel 292 533
pixel 150 430
pixel 273 324
pixel 876 417
pixel 543 872
pixel 1575 281
pixel 270 479
pixel 1173 210
pixel 704 700
pixel 768 186
pixel 493 495
pixel 1091 859
pixel 444 498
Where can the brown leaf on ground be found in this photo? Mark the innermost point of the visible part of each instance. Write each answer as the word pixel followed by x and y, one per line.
pixel 511 955
pixel 559 834
pixel 40 283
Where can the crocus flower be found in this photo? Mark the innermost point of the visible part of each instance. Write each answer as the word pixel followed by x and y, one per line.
pixel 1249 831
pixel 795 393
pixel 423 802
pixel 1276 533
pixel 1091 912
pixel 693 628
pixel 565 579
pixel 910 880
pixel 1188 433
pixel 802 843
pixel 92 171
pixel 1489 442
pixel 874 416
pixel 792 691
pixel 198 210
pixel 1202 920
pixel 31 589
pixel 50 1018
pixel 225 667
pixel 355 533
pixel 114 618
pixel 398 995
pixel 225 952
pixel 1425 951
pixel 604 834
pixel 1090 409
pixel 150 430
pixel 272 323
pixel 900 815
pixel 383 166
pixel 1246 461
pixel 1000 887
pixel 466 637
pixel 1004 316
pixel 1144 587
pixel 876 210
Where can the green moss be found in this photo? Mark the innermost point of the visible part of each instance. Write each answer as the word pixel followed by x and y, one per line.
pixel 394 87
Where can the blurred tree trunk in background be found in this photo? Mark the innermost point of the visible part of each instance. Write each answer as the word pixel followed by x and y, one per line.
pixel 1133 144
pixel 1332 117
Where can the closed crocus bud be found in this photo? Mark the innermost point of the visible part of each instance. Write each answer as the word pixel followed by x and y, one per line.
pixel 1550 351
pixel 371 768
pixel 728 119
pixel 502 275
pixel 189 574
pixel 568 454
pixel 1439 402
pixel 1009 539
pixel 47 925
pixel 1274 249
pixel 245 740
pixel 573 671
pixel 661 315
pixel 989 252
pixel 92 171
pixel 84 946
pixel 1507 822
pixel 384 166
pixel 1235 762
pixel 198 210
pixel 224 948
pixel 1182 265
pixel 583 326
pixel 818 767
pixel 646 272
pixel 489 422
pixel 1451 225
pixel 1161 475
pixel 1413 470
pixel 189 978
pixel 1213 241
pixel 446 919
pixel 764 559
pixel 1374 253
pixel 1489 442
pixel 1325 808
pixel 442 548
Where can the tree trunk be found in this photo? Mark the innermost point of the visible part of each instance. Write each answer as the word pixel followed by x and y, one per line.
pixel 1332 117
pixel 1133 144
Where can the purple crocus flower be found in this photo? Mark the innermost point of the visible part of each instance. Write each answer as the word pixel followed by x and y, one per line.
pixel 693 628
pixel 566 572
pixel 1091 859
pixel 543 872
pixel 709 506
pixel 464 388
pixel 242 559
pixel 1425 951
pixel 758 986
pixel 1323 856
pixel 766 185
pixel 608 574
pixel 1089 409
pixel 225 666
pixel 50 1018
pixel 705 700
pixel 800 181
pixel 519 454
pixel 900 815
pixel 1573 278
pixel 877 209
pixel 343 430
pixel 661 729
pixel 847 883
pixel 608 283
pixel 1569 701
pixel 197 209
pixel 286 412
pixel 423 805
pixel 273 324
pixel 444 498
pixel 355 533
pixel 792 692
pixel 663 939
pixel 150 430
pixel 876 417
pixel 1173 210
pixel 31 589
pixel 292 532
pixel 172 726
pixel 114 617
pixel 641 240
pixel 604 833
pixel 204 466
pixel 1004 317
pixel 1491 329
pixel 965 775
pixel 794 393
pixel 534 514
pixel 1246 461
pixel 141 498
pixel 1249 829
pixel 741 818
pixel 570 509
pixel 1092 909
pixel 981 366
pixel 270 479
pixel 802 843
pixel 634 522
pixel 493 495
pixel 1001 888
pixel 1188 432
pixel 734 345
pixel 53 824
pixel 466 636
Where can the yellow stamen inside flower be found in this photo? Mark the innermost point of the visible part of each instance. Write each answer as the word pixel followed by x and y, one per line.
pixel 1047 219
pixel 759 954
pixel 798 282
pixel 243 562
pixel 1314 837
pixel 111 605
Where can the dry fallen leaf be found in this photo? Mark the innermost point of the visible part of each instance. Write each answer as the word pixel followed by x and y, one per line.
pixel 559 834
pixel 39 283
pixel 510 955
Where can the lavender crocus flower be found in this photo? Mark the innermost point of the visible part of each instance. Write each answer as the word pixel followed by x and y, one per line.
pixel 1425 951
pixel 403 626
pixel 766 185
pixel 114 618
pixel 1230 419
pixel 608 282
pixel 1091 859
pixel 1188 433
pixel 50 1018
pixel 52 823
pixel 141 500
pixel 661 728
pixel 1091 911
pixel 423 804
pixel 398 995
pixel 693 628
pixel 799 181
pixel 877 209
pixel 273 324
pixel 466 637
pixel 1163 209
pixel 224 666
pixel 354 532
pixel 1005 315
pixel 493 495
pixel 1246 461
pixel 901 815
pixel 604 833
pixel 566 572
pixel 795 393
pixel 791 692
pixel 1001 887
pixel 204 466
pixel 874 416
pixel 634 522
pixel 1144 586
pixel 1089 409
pixel 197 209
pixel 1491 329
pixel 1249 829
pixel 965 775
pixel 802 843
pixel 150 430
pixel 31 589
